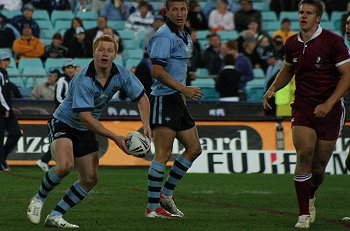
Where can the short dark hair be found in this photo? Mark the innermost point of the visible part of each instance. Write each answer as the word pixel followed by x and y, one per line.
pixel 229 59
pixel 167 3
pixel 317 3
pixel 57 36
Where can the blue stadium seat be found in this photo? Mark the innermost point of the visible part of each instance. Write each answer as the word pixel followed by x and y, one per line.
pixel 132 62
pixel 46 33
pixel 202 72
pixel 328 26
pixel 87 15
pixel 127 34
pixel 271 25
pixel 41 15
pixel 44 24
pixel 32 81
pixel 13 63
pixel 204 82
pixel 8 50
pixel 29 62
pixel 325 17
pixel 133 53
pixel 117 25
pixel 258 73
pixel 336 19
pixel 262 6
pixel 255 90
pixel 129 44
pixel 140 37
pixel 11 13
pixel 54 62
pixel 269 16
pixel 62 25
pixel 202 34
pixel 292 15
pixel 119 61
pixel 46 41
pixel 18 81
pixel 89 24
pixel 61 15
pixel 12 71
pixel 227 35
pixel 82 62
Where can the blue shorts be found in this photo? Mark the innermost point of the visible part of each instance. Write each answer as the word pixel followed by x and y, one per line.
pixel 84 142
pixel 170 111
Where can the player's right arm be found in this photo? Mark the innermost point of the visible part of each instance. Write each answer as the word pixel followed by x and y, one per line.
pixel 163 76
pixel 282 79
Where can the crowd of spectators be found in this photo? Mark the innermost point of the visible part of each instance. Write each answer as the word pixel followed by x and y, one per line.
pixel 253 47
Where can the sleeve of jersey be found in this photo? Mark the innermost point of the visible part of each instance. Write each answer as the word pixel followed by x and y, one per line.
pixel 83 97
pixel 340 54
pixel 160 50
pixel 133 87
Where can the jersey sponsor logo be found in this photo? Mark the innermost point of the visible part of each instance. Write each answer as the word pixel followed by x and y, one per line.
pixel 318 63
pixel 295 60
pixel 58 134
pixel 167 119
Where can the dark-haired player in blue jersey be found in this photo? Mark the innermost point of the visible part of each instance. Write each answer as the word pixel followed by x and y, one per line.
pixel 321 64
pixel 74 125
pixel 170 50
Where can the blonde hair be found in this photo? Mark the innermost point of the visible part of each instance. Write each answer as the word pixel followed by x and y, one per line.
pixel 105 38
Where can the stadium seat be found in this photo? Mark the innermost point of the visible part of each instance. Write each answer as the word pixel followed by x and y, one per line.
pixel 269 16
pixel 325 17
pixel 11 13
pixel 8 50
pixel 82 62
pixel 255 90
pixel 46 41
pixel 41 15
pixel 133 53
pixel 328 26
pixel 271 25
pixel 227 35
pixel 127 34
pixel 119 61
pixel 131 62
pixel 61 15
pixel 89 24
pixel 292 15
pixel 12 71
pixel 202 34
pixel 259 73
pixel 129 44
pixel 54 62
pixel 44 24
pixel 140 37
pixel 117 25
pixel 46 33
pixel 31 81
pixel 336 19
pixel 18 81
pixel 207 82
pixel 203 43
pixel 62 25
pixel 87 15
pixel 261 6
pixel 29 62
pixel 202 73
pixel 13 63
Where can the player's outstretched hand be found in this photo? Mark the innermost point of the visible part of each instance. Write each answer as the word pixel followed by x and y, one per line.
pixel 194 93
pixel 266 99
pixel 120 142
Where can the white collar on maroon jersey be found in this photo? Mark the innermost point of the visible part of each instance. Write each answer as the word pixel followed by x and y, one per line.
pixel 317 33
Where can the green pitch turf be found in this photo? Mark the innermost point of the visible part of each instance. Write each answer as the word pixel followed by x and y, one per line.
pixel 210 202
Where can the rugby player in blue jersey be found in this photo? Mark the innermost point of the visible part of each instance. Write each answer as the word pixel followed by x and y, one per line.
pixel 74 125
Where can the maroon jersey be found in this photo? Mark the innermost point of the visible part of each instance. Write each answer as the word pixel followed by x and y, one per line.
pixel 315 65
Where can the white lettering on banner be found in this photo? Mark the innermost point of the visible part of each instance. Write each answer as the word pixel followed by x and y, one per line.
pixel 30 145
pixel 122 112
pixel 258 161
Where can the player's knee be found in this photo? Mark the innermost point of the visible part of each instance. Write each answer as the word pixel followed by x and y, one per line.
pixel 89 180
pixel 63 169
pixel 195 152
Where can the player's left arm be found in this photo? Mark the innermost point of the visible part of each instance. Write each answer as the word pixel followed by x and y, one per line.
pixel 144 109
pixel 342 87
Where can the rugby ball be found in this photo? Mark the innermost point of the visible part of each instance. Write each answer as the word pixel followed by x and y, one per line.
pixel 137 144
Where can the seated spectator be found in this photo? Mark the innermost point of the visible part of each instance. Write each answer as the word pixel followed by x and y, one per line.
pixel 51 5
pixel 69 34
pixel 26 18
pixel 285 31
pixel 243 65
pixel 227 82
pixel 264 49
pixel 196 17
pixel 96 32
pixel 253 30
pixel 244 15
pixel 80 46
pixel 96 5
pixel 115 10
pixel 136 4
pixel 11 4
pixel 274 65
pixel 113 33
pixel 279 47
pixel 28 46
pixel 55 49
pixel 158 22
pixel 211 5
pixel 221 18
pixel 7 36
pixel 81 5
pixel 143 73
pixel 45 90
pixel 196 58
pixel 62 84
pixel 141 19
pixel 249 50
pixel 212 60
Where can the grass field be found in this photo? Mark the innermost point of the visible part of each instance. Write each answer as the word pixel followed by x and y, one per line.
pixel 209 201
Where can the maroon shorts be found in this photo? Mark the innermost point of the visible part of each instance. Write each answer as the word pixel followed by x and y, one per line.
pixel 327 128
